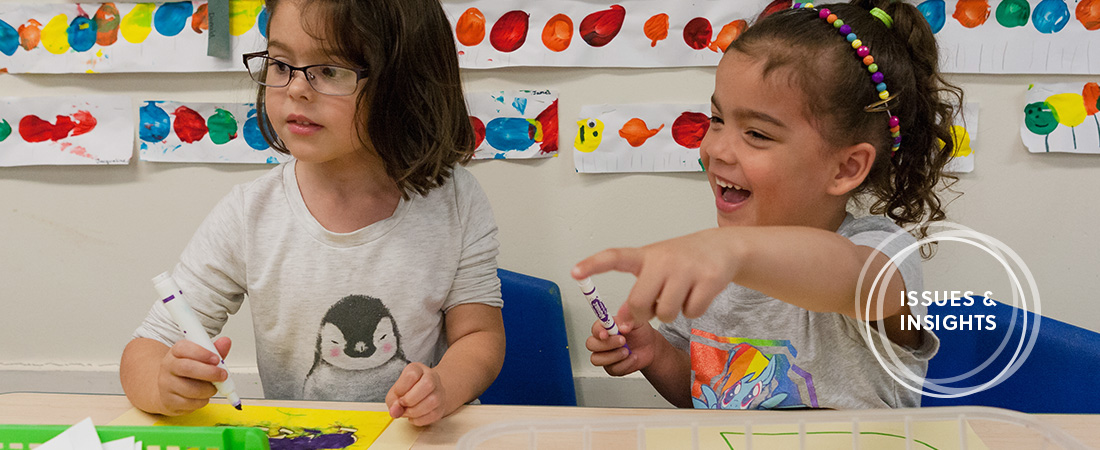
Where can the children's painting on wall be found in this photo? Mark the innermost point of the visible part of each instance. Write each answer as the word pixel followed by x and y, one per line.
pixel 1061 118
pixel 514 124
pixel 640 138
pixel 203 132
pixel 965 135
pixel 66 130
pixel 43 37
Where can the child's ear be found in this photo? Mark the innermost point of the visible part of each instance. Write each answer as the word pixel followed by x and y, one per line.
pixel 853 163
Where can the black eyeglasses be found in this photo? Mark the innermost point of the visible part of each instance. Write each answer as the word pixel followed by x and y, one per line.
pixel 324 78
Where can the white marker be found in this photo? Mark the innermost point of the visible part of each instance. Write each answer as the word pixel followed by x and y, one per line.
pixel 589 290
pixel 193 331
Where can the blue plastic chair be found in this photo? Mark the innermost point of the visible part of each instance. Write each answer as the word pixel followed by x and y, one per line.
pixel 1056 377
pixel 536 368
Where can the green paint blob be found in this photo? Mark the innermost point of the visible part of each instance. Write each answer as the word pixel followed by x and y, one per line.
pixel 223 126
pixel 1039 118
pixel 1013 13
pixel 5 130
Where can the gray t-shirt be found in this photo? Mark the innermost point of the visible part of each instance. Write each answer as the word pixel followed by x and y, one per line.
pixel 337 316
pixel 752 351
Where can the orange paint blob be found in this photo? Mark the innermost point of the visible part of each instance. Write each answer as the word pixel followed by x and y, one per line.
pixel 1091 93
pixel 30 34
pixel 729 33
pixel 971 13
pixel 656 28
pixel 470 28
pixel 558 33
pixel 1088 13
pixel 636 132
pixel 200 20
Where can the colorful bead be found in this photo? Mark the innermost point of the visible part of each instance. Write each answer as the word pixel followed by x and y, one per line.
pixel 895 130
pixel 897 140
pixel 838 23
pixel 850 37
pixel 867 60
pixel 872 68
pixel 831 19
pixel 857 44
pixel 894 121
pixel 877 77
pixel 884 95
pixel 863 51
pixel 824 13
pixel 880 87
pixel 845 30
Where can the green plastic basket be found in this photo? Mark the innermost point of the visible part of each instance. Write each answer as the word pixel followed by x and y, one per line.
pixel 162 438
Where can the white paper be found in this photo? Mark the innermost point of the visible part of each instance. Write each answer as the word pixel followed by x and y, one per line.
pixel 667 138
pixel 81 436
pixel 92 129
pixel 1061 117
pixel 126 443
pixel 514 124
pixel 202 132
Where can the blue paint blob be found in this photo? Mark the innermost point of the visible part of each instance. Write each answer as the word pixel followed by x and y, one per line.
pixel 509 133
pixel 170 18
pixel 261 22
pixel 252 134
pixel 1050 16
pixel 82 33
pixel 520 104
pixel 9 39
pixel 155 123
pixel 935 12
pixel 272 160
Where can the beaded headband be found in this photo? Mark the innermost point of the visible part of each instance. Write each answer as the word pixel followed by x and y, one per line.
pixel 864 54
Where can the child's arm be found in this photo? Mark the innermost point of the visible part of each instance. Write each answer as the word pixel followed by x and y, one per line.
pixel 423 394
pixel 666 367
pixel 171 380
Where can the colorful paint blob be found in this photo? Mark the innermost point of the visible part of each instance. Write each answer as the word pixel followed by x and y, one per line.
pixel 200 20
pixel 5 130
pixel 470 28
pixel 730 32
pixel 9 39
pixel 971 13
pixel 688 129
pixel 512 133
pixel 548 118
pixel 935 12
pixel 82 33
pixel 510 31
pixel 189 126
pixel 138 23
pixel 155 124
pixel 589 135
pixel 34 129
pixel 656 28
pixel 251 131
pixel 1013 13
pixel 1069 110
pixel 774 7
pixel 170 18
pixel 84 122
pixel 636 132
pixel 107 21
pixel 222 126
pixel 479 131
pixel 1050 16
pixel 697 33
pixel 261 22
pixel 558 33
pixel 1091 93
pixel 961 139
pixel 600 27
pixel 30 34
pixel 55 37
pixel 1039 119
pixel 1088 13
pixel 242 15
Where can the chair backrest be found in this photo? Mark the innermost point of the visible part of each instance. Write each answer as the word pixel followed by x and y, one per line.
pixel 1056 377
pixel 536 368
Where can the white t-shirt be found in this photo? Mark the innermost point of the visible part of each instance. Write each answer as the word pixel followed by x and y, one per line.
pixel 337 316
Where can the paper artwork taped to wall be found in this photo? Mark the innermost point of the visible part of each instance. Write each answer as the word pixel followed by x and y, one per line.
pixel 123 37
pixel 66 130
pixel 1062 118
pixel 964 132
pixel 640 138
pixel 203 133
pixel 514 124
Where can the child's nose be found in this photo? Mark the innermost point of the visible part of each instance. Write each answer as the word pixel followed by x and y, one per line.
pixel 714 147
pixel 299 85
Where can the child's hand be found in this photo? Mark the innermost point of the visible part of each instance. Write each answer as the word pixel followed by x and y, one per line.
pixel 417 395
pixel 610 353
pixel 681 274
pixel 186 374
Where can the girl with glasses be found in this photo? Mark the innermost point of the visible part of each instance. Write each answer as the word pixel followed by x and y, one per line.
pixel 368 259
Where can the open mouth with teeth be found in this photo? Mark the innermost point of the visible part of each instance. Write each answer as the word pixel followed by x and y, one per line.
pixel 732 193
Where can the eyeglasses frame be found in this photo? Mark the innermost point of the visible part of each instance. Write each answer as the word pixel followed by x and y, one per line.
pixel 359 73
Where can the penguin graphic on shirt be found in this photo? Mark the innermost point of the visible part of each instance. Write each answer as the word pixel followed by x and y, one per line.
pixel 358 353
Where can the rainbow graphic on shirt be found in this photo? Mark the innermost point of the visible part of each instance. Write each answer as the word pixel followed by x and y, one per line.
pixel 742 373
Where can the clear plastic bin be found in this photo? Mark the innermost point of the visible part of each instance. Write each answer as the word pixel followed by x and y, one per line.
pixel 910 429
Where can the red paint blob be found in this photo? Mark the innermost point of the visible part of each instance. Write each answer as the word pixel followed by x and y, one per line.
pixel 479 131
pixel 774 7
pixel 548 118
pixel 1088 13
pixel 189 125
pixel 1091 93
pixel 200 20
pixel 971 13
pixel 697 33
pixel 85 122
pixel 600 27
pixel 688 129
pixel 34 129
pixel 558 33
pixel 510 31
pixel 656 28
pixel 470 29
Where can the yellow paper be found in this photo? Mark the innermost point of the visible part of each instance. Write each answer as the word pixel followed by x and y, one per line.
pixel 293 428
pixel 943 435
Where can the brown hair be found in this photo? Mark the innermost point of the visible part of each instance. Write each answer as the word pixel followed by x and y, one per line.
pixel 412 111
pixel 838 87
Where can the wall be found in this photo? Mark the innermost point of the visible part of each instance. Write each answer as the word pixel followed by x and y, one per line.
pixel 80 244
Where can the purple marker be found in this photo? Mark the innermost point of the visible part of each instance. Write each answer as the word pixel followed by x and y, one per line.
pixel 192 329
pixel 589 290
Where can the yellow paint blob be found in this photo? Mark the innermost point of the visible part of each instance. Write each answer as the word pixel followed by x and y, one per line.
pixel 55 36
pixel 242 15
pixel 589 135
pixel 138 23
pixel 1069 109
pixel 962 141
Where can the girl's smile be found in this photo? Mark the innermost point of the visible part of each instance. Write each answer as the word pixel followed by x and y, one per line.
pixel 301 125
